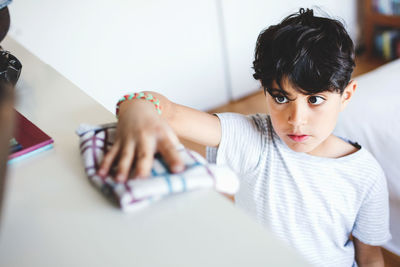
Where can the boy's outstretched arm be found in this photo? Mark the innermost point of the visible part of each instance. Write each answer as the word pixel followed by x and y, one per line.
pixel 367 255
pixel 141 132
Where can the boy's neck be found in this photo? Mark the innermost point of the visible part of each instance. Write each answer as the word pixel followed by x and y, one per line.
pixel 334 147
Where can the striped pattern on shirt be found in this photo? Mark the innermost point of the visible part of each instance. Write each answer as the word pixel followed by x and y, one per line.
pixel 312 203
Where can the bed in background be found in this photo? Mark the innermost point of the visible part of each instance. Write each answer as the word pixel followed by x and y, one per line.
pixel 372 119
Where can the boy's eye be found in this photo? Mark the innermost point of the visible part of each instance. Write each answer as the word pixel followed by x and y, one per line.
pixel 316 100
pixel 281 99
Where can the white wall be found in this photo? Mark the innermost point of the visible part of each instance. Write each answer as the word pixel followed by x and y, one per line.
pixel 198 53
pixel 108 48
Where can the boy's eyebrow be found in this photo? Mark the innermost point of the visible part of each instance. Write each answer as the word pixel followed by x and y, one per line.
pixel 272 90
pixel 279 90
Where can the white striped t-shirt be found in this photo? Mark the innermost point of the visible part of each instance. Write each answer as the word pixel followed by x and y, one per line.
pixel 312 203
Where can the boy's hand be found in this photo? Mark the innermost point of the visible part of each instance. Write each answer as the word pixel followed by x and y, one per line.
pixel 141 132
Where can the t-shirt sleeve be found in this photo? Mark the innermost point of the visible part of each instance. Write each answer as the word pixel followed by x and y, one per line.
pixel 241 144
pixel 372 222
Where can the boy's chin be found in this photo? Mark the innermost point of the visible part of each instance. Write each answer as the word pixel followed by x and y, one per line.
pixel 300 147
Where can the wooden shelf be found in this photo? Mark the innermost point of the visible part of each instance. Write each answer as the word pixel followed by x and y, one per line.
pixel 385 20
pixel 373 19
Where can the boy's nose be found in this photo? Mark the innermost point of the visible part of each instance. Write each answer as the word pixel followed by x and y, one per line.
pixel 297 115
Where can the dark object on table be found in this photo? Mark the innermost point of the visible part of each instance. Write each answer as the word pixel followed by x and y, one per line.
pixel 4 22
pixel 10 67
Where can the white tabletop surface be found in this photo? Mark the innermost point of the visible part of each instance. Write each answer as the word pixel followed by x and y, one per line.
pixel 53 216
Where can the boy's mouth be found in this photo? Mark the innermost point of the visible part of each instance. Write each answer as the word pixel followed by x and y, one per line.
pixel 298 137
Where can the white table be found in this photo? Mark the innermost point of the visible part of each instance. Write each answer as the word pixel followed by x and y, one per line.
pixel 54 217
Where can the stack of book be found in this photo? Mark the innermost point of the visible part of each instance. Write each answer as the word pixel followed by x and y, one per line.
pixel 28 140
pixel 387 7
pixel 387 43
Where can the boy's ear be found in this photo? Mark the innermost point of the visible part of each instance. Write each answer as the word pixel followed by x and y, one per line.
pixel 348 93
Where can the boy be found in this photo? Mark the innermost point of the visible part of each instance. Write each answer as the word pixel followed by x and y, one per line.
pixel 322 195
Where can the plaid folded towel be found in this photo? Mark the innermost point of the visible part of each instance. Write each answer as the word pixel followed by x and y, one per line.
pixel 96 140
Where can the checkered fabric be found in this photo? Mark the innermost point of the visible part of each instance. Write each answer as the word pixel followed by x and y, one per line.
pixel 96 140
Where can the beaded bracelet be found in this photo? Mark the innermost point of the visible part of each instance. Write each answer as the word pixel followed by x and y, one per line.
pixel 141 95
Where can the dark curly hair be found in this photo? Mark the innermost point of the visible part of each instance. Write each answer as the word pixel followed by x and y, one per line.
pixel 315 54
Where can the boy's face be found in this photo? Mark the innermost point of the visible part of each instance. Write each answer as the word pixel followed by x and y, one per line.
pixel 305 122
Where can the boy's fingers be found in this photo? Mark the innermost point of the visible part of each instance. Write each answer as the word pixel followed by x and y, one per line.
pixel 171 156
pixel 108 160
pixel 125 161
pixel 144 157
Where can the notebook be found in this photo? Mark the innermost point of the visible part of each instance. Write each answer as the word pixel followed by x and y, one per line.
pixel 28 140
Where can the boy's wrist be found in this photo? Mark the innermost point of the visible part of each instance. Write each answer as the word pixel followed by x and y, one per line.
pixel 136 106
pixel 142 96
